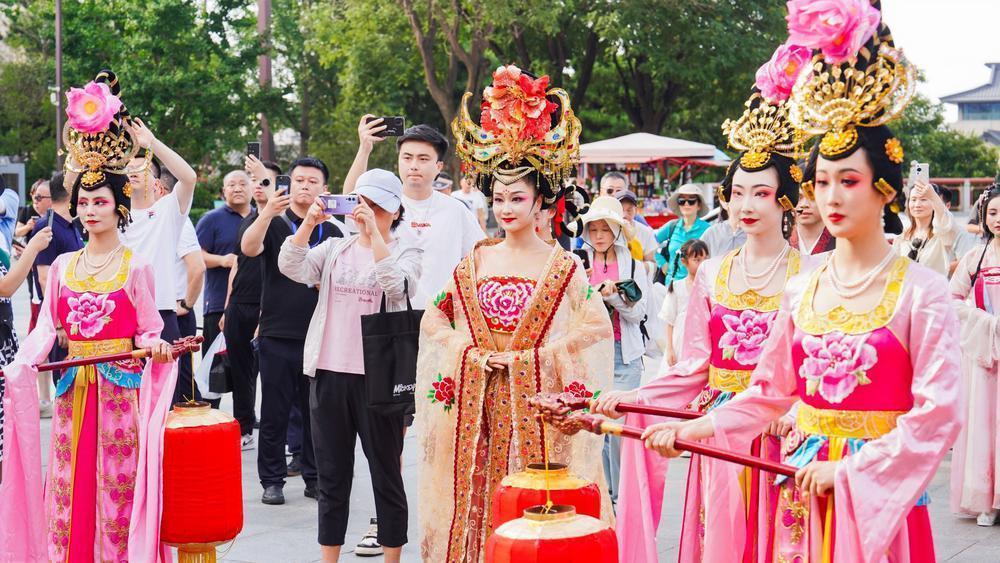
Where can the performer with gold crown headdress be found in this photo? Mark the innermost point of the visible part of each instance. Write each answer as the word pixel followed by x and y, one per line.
pixel 517 318
pixel 102 491
pixel 728 511
pixel 866 343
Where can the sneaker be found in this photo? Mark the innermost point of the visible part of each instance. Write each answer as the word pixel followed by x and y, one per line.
pixel 273 495
pixel 987 519
pixel 369 546
pixel 294 467
pixel 247 442
pixel 310 491
pixel 45 409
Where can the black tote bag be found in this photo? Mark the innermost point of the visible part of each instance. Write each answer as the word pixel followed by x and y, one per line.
pixel 389 341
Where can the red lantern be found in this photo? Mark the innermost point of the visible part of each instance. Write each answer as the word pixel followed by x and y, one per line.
pixel 520 491
pixel 558 535
pixel 202 481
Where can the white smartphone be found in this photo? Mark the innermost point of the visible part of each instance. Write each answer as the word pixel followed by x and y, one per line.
pixel 337 204
pixel 920 172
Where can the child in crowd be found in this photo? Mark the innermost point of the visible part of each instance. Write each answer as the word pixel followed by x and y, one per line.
pixel 691 254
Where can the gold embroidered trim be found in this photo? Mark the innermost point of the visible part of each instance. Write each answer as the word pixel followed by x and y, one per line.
pixel 840 319
pixel 97 286
pixel 846 424
pixel 750 299
pixel 735 380
pixel 91 348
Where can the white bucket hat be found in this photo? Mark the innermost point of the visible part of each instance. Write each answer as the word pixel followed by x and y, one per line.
pixel 606 208
pixel 688 189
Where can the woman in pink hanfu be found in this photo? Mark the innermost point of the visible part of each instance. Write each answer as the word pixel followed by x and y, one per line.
pixel 975 481
pixel 865 344
pixel 101 499
pixel 727 512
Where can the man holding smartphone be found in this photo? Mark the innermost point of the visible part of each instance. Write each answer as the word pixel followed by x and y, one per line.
pixel 286 309
pixel 441 226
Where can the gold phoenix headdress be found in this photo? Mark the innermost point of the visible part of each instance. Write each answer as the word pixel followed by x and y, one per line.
pixel 517 135
pixel 763 129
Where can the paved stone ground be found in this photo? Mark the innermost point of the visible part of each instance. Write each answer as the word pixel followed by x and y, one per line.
pixel 288 533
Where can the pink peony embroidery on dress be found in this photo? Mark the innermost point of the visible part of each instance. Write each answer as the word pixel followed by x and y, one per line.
pixel 89 313
pixel 503 299
pixel 745 335
pixel 836 363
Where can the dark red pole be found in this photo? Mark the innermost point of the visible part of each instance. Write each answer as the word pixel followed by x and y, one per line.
pixel 577 404
pixel 179 347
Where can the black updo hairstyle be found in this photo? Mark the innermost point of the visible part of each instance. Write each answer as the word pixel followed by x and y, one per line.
pixel 118 183
pixel 992 193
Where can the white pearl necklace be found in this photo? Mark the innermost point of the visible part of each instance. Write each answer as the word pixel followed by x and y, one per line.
pixel 767 274
pixel 848 290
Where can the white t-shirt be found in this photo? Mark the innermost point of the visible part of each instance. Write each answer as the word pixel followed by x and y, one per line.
pixel 446 231
pixel 646 237
pixel 187 244
pixel 154 235
pixel 474 200
pixel 674 312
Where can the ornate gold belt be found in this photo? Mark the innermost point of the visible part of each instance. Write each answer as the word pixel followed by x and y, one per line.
pixel 847 424
pixel 91 348
pixel 735 380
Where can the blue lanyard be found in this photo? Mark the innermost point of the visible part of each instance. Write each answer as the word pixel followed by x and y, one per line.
pixel 319 234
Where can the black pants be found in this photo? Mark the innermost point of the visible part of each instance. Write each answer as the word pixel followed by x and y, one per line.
pixel 209 330
pixel 185 374
pixel 282 384
pixel 338 407
pixel 241 322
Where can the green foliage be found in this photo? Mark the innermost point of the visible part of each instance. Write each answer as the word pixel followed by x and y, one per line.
pixel 950 153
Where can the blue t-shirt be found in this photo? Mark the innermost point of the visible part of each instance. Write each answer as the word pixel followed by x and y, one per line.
pixel 218 233
pixel 678 235
pixel 8 220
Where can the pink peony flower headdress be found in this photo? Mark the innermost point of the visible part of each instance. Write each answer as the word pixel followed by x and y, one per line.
pixel 525 127
pixel 96 135
pixel 858 78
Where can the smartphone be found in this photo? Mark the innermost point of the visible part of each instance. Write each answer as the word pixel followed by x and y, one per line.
pixel 393 126
pixel 282 182
pixel 920 172
pixel 253 149
pixel 48 218
pixel 339 204
pixel 584 257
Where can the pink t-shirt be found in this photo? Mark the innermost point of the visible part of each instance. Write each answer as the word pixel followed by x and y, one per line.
pixel 354 291
pixel 597 275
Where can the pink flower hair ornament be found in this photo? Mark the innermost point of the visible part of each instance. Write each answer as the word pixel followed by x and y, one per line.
pixel 776 77
pixel 91 109
pixel 837 28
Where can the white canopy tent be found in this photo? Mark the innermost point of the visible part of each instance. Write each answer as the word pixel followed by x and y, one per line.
pixel 637 148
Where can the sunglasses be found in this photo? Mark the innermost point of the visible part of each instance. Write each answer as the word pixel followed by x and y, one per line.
pixel 686 201
pixel 915 246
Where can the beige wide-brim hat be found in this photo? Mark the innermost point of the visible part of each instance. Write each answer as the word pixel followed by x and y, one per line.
pixel 605 208
pixel 688 189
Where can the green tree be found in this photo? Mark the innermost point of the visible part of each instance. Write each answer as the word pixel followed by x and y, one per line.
pixel 950 153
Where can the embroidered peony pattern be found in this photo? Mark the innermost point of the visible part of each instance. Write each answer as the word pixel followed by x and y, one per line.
pixel 503 299
pixel 836 363
pixel 446 305
pixel 745 335
pixel 443 391
pixel 89 313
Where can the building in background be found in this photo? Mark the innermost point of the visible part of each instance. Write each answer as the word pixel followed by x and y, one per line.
pixel 979 108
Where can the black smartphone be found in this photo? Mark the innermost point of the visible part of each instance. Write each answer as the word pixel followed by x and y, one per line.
pixel 584 257
pixel 394 125
pixel 253 149
pixel 283 183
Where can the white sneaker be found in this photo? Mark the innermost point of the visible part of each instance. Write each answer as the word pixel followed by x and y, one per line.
pixel 45 409
pixel 987 519
pixel 247 443
pixel 368 546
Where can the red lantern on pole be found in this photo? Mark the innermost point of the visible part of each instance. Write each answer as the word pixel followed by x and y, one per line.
pixel 557 535
pixel 202 481
pixel 520 491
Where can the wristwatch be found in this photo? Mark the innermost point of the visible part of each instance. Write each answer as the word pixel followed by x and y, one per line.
pixel 184 305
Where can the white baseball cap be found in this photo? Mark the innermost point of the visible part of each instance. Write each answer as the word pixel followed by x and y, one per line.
pixel 382 188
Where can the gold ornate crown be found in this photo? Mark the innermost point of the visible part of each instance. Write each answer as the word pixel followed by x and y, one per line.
pixel 763 129
pixel 104 148
pixel 517 136
pixel 832 100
